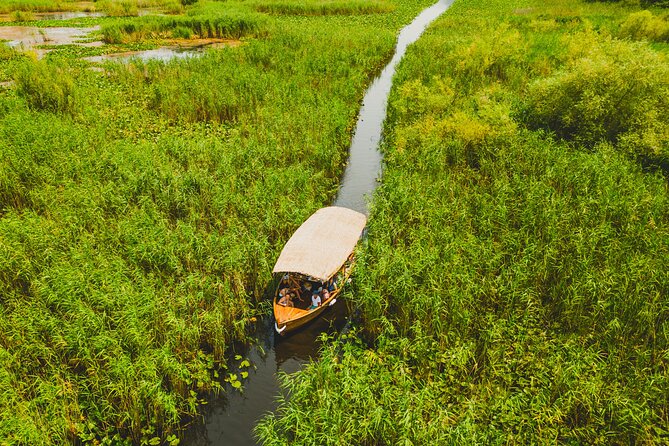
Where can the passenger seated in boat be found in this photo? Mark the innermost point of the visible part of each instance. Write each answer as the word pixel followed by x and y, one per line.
pixel 325 293
pixel 285 298
pixel 315 301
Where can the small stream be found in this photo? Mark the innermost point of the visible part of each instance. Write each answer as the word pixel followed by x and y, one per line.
pixel 230 419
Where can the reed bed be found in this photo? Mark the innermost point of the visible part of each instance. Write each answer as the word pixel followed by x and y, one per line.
pixel 228 25
pixel 141 209
pixel 112 7
pixel 513 288
pixel 329 7
pixel 36 5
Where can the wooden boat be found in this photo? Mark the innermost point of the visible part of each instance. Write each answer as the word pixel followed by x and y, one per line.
pixel 319 254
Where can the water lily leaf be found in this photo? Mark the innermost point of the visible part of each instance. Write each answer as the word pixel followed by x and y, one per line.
pixel 244 363
pixel 238 357
pixel 236 384
pixel 244 375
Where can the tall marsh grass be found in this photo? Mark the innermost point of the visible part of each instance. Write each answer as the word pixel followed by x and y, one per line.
pixel 232 25
pixel 329 7
pixel 513 285
pixel 46 87
pixel 140 217
pixel 7 6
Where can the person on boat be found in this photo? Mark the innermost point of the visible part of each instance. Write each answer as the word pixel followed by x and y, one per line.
pixel 326 294
pixel 286 299
pixel 315 301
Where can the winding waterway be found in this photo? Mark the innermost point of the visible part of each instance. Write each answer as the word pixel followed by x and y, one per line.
pixel 230 419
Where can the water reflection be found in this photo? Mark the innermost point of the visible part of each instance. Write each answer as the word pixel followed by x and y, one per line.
pixel 27 37
pixel 231 418
pixel 364 163
pixel 164 54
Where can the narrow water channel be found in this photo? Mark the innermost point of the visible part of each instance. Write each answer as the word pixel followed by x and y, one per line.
pixel 230 419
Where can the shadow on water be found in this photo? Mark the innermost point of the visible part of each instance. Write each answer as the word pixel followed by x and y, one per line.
pixel 230 420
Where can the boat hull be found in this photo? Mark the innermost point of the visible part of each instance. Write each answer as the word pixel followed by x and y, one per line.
pixel 283 326
pixel 288 319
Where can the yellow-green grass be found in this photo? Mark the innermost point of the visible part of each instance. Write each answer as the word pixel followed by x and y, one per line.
pixel 141 209
pixel 513 288
pixel 112 7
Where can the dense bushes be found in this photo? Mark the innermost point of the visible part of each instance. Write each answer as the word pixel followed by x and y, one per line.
pixel 611 91
pixel 644 25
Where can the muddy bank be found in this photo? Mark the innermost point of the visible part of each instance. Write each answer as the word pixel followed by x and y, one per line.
pixel 28 37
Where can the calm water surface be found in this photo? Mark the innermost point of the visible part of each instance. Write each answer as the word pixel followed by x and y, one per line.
pixel 230 419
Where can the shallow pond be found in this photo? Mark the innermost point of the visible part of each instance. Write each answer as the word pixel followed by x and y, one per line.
pixel 184 50
pixel 27 37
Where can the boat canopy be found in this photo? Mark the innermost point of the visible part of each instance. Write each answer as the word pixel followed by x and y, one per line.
pixel 322 244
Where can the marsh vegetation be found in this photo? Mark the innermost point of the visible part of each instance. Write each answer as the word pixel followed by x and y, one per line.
pixel 513 288
pixel 141 207
pixel 514 285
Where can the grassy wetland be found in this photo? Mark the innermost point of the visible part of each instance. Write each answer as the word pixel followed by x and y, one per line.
pixel 514 287
pixel 142 205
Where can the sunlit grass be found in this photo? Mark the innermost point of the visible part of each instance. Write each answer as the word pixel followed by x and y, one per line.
pixel 328 7
pixel 513 286
pixel 141 208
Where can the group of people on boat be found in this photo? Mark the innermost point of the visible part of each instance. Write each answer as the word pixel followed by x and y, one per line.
pixel 294 292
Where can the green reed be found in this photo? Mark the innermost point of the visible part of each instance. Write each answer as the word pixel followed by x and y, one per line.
pixel 513 286
pixel 312 7
pixel 141 209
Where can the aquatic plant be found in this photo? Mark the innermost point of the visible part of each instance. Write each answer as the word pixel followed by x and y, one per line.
pixel 46 87
pixel 226 25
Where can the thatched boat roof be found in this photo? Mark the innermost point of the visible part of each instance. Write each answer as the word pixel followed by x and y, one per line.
pixel 322 244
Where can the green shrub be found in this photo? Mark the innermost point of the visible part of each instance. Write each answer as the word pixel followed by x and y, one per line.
pixel 643 25
pixel 610 91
